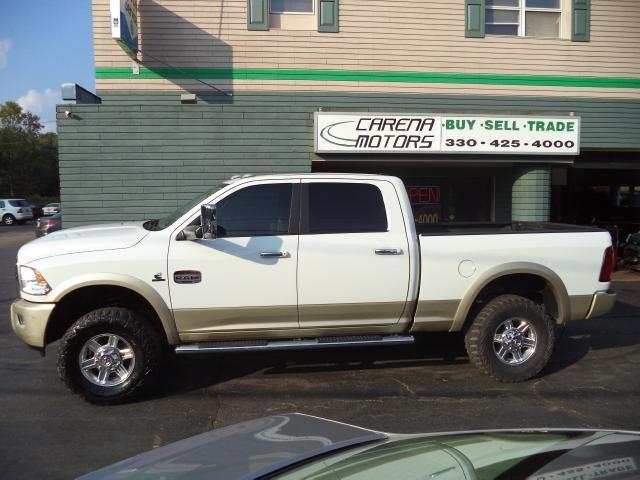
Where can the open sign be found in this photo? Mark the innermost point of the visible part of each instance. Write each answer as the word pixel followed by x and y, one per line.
pixel 424 195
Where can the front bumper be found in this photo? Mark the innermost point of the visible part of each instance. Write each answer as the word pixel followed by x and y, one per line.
pixel 29 321
pixel 602 303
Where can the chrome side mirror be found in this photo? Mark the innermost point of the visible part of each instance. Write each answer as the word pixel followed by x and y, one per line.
pixel 208 221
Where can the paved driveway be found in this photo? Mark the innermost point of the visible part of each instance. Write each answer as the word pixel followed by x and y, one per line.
pixel 46 432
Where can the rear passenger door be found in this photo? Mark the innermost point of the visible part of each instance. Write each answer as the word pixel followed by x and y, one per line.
pixel 353 261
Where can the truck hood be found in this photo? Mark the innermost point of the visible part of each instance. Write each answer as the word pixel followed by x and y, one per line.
pixel 110 236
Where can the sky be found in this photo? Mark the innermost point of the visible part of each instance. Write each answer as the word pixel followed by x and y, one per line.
pixel 43 44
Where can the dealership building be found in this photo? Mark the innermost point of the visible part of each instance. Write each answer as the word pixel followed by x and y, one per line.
pixel 489 110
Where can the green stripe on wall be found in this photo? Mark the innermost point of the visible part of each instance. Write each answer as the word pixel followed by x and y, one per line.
pixel 367 76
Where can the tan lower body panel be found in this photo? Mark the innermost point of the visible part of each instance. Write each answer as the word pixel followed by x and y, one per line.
pixel 289 333
pixel 350 314
pixel 439 315
pixel 435 315
pixel 579 305
pixel 209 320
pixel 282 322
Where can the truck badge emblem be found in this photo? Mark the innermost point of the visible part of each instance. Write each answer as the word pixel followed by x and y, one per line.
pixel 187 276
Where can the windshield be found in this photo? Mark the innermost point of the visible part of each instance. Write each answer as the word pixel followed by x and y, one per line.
pixel 482 456
pixel 162 223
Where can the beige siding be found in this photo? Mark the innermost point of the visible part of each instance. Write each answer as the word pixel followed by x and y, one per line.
pixel 367 87
pixel 382 35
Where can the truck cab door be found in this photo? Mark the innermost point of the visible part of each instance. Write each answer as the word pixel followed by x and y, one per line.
pixel 353 259
pixel 245 279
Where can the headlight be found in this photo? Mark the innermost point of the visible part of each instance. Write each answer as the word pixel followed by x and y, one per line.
pixel 32 282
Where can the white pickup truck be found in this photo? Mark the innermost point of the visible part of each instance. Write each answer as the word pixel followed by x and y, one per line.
pixel 301 261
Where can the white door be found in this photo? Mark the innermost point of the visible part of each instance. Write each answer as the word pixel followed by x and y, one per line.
pixel 246 278
pixel 353 260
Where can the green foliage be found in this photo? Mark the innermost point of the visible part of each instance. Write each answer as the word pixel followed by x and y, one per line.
pixel 28 157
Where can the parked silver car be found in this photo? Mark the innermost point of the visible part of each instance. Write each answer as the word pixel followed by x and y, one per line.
pixel 15 211
pixel 51 209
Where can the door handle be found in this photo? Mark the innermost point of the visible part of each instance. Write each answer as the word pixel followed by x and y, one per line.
pixel 274 254
pixel 388 251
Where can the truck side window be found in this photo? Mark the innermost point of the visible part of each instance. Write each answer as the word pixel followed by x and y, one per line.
pixel 256 211
pixel 345 208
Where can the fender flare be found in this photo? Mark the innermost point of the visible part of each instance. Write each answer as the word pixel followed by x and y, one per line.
pixel 555 285
pixel 125 281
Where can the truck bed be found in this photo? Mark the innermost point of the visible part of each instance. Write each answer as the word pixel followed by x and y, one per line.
pixel 501 228
pixel 459 260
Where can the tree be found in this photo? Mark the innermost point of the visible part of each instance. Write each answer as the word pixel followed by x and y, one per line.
pixel 13 118
pixel 28 158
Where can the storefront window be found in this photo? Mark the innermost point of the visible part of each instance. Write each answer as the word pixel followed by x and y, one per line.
pixel 450 200
pixel 628 196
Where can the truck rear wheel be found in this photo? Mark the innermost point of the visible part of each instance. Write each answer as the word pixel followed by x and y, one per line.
pixel 109 355
pixel 511 338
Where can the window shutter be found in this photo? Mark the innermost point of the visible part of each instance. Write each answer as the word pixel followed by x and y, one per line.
pixel 258 14
pixel 328 16
pixel 581 20
pixel 474 18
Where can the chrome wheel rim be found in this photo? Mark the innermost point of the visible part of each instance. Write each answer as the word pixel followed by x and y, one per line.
pixel 8 220
pixel 107 360
pixel 514 341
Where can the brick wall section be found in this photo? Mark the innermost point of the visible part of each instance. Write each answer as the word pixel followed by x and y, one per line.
pixel 531 194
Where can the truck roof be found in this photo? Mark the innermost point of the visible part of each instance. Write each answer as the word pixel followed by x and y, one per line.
pixel 239 178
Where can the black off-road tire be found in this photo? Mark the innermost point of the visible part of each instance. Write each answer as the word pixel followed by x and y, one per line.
pixel 480 337
pixel 9 219
pixel 136 330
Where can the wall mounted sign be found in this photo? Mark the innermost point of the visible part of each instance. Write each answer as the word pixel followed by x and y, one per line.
pixel 417 133
pixel 124 24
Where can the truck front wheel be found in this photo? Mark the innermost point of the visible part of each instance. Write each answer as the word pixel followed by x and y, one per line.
pixel 511 338
pixel 109 355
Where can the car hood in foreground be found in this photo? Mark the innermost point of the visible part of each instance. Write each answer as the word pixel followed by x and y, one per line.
pixel 296 446
pixel 91 238
pixel 247 450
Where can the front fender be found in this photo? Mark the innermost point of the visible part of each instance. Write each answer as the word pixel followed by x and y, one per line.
pixel 125 281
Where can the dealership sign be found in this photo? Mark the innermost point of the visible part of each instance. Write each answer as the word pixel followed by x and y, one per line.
pixel 416 133
pixel 124 24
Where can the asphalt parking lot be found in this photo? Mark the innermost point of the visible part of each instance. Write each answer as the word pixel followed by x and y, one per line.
pixel 47 432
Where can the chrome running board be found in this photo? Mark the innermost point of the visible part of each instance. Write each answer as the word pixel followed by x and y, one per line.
pixel 298 344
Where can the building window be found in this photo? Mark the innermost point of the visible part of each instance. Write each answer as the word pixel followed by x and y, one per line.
pixel 291 6
pixel 628 196
pixel 450 200
pixel 525 18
